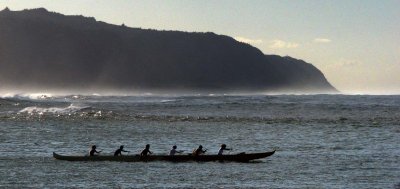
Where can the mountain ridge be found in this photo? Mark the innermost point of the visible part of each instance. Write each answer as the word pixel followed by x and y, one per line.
pixel 43 49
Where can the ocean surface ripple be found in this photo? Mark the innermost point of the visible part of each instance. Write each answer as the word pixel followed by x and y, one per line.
pixel 322 141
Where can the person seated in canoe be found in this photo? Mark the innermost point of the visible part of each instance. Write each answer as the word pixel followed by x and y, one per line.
pixel 119 151
pixel 223 147
pixel 146 151
pixel 199 151
pixel 93 151
pixel 174 151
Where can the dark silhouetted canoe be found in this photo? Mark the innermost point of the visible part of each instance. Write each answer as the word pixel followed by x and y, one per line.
pixel 241 157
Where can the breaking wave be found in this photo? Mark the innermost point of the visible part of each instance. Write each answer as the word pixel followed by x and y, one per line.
pixel 56 110
pixel 337 109
pixel 26 96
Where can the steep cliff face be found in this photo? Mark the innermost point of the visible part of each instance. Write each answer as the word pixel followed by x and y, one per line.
pixel 49 50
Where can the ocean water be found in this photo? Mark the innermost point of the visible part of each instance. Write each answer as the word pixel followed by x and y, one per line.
pixel 322 141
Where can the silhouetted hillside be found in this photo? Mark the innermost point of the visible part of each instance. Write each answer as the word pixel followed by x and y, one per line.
pixel 42 49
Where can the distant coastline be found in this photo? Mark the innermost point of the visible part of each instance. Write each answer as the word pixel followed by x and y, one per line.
pixel 46 50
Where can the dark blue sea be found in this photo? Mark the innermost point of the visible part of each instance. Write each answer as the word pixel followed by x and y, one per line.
pixel 321 141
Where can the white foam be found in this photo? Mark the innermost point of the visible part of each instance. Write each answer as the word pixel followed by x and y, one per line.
pixel 7 95
pixel 165 101
pixel 39 95
pixel 59 110
pixel 33 96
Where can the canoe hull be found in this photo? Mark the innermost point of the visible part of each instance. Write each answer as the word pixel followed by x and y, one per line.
pixel 242 157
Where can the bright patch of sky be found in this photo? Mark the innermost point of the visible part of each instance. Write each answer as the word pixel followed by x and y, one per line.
pixel 355 43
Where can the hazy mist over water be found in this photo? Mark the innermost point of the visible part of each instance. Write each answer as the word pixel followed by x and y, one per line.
pixel 35 93
pixel 322 141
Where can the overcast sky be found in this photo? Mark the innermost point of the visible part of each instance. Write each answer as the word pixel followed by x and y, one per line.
pixel 355 43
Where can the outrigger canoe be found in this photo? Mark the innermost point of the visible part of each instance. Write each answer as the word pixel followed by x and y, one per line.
pixel 241 157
